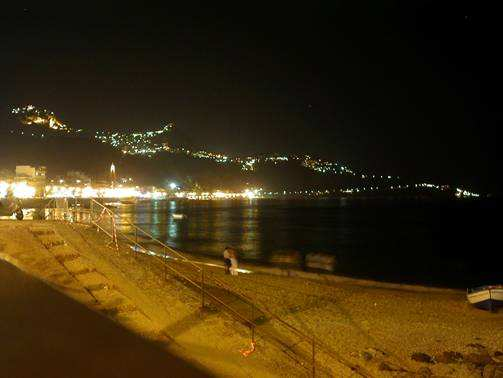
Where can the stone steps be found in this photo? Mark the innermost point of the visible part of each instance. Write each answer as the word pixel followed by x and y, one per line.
pixel 96 289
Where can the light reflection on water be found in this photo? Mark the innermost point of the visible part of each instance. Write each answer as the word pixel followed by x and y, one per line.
pixel 406 240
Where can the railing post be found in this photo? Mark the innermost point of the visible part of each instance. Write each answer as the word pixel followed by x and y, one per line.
pixel 314 361
pixel 164 264
pixel 202 286
pixel 91 209
pixel 136 241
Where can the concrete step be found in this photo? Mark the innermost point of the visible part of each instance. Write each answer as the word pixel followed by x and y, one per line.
pixel 111 298
pixel 51 241
pixel 76 265
pixel 38 231
pixel 65 258
pixel 60 251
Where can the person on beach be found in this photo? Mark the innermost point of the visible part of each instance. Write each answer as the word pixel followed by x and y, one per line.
pixel 227 260
pixel 234 262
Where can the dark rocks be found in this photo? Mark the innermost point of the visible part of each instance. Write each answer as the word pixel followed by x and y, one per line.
pixel 449 357
pixel 422 357
pixel 366 356
pixel 478 359
pixel 424 372
pixel 476 346
pixel 383 366
pixel 498 354
pixel 493 371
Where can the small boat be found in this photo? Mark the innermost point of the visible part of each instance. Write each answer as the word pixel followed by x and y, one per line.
pixel 177 216
pixel 486 297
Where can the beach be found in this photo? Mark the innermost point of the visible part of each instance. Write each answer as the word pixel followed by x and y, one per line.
pixel 360 327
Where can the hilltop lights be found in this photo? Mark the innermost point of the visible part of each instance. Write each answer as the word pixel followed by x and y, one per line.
pixel 136 143
pixel 153 142
pixel 460 193
pixel 30 115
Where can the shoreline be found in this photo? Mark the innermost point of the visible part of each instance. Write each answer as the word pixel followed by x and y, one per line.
pixel 335 277
pixel 324 277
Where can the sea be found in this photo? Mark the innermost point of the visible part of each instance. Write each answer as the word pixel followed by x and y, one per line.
pixel 427 241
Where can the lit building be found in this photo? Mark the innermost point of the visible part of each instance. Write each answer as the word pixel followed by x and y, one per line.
pixel 26 171
pixel 29 172
pixel 113 177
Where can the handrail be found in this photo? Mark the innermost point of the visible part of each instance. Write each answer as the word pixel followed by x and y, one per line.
pixel 185 259
pixel 199 269
pixel 247 321
pixel 147 234
pixel 243 296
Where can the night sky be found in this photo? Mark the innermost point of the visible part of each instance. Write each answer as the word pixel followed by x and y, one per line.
pixel 395 87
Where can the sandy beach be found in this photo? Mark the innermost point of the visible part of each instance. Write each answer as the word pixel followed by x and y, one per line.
pixel 361 328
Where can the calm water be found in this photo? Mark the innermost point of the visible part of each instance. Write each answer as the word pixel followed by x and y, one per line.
pixel 442 242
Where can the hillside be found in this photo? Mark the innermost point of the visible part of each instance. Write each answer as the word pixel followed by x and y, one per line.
pixel 61 153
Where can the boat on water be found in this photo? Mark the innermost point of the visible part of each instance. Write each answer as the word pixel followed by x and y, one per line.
pixel 486 297
pixel 177 216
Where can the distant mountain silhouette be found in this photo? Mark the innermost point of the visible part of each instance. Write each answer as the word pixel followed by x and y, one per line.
pixel 62 153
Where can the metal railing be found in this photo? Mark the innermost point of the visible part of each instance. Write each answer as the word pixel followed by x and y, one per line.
pixel 193 272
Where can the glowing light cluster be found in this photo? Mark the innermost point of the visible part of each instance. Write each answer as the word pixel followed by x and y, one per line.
pixel 221 195
pixel 61 191
pixel 432 186
pixel 30 115
pixel 19 189
pixel 135 143
pixel 146 143
pixel 461 193
pixel 323 166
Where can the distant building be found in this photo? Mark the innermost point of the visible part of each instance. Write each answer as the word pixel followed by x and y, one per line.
pixel 25 171
pixel 40 172
pixel 6 174
pixel 29 172
pixel 34 176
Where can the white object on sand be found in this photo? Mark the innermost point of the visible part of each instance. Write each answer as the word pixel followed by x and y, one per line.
pixel 486 297
pixel 234 266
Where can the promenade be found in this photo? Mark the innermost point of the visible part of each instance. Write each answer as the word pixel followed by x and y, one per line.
pixel 44 333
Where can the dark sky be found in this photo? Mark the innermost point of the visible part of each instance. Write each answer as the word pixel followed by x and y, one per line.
pixel 397 87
